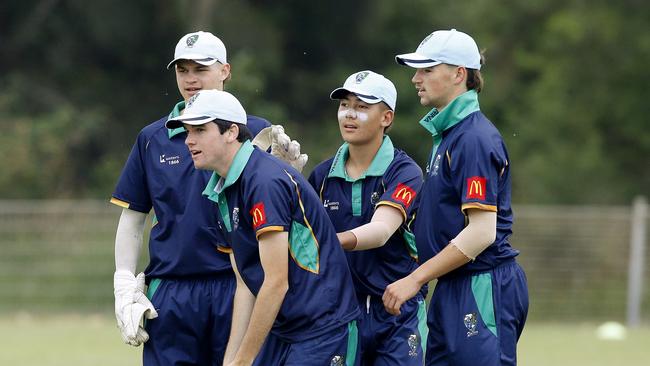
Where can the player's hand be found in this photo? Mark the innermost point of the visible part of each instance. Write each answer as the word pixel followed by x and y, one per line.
pixel 281 146
pixel 131 306
pixel 398 292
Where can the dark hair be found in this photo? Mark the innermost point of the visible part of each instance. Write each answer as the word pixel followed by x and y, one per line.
pixel 474 77
pixel 244 132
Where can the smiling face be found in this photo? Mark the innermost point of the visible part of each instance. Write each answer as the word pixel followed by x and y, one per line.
pixel 360 122
pixel 437 86
pixel 192 77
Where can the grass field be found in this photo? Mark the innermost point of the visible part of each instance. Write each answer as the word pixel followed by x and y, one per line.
pixel 94 340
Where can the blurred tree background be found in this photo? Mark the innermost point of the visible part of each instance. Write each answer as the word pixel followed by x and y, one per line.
pixel 566 83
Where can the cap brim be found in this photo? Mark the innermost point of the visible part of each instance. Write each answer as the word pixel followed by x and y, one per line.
pixel 416 60
pixel 190 119
pixel 199 59
pixel 340 93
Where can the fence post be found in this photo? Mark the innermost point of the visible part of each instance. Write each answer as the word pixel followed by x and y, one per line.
pixel 637 258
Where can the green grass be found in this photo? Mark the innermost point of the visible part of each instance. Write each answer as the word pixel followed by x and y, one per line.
pixel 73 340
pixel 544 344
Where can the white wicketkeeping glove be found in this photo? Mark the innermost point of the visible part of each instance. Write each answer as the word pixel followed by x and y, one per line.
pixel 131 305
pixel 281 146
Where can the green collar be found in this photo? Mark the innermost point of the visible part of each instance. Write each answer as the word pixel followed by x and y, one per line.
pixel 463 105
pixel 379 164
pixel 216 185
pixel 175 113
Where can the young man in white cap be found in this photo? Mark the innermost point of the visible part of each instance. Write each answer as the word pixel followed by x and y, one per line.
pixel 191 284
pixel 368 189
pixel 480 302
pixel 294 290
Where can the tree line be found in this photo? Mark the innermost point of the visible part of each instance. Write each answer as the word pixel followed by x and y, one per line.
pixel 565 83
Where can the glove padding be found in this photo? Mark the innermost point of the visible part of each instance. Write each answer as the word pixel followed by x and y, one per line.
pixel 281 146
pixel 131 306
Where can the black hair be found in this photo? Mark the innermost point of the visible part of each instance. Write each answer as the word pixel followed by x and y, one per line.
pixel 474 77
pixel 244 132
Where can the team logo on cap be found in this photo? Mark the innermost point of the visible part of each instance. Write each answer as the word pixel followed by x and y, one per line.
pixel 476 188
pixel 191 40
pixel 360 76
pixel 425 39
pixel 404 194
pixel 192 99
pixel 258 214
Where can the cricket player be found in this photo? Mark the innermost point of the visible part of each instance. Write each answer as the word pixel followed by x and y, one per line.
pixel 368 189
pixel 191 285
pixel 464 219
pixel 294 289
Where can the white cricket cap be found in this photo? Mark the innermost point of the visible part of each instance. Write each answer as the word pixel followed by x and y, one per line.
pixel 201 47
pixel 208 105
pixel 370 87
pixel 444 47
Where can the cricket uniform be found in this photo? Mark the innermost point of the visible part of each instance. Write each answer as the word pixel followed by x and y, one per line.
pixel 191 284
pixel 392 179
pixel 477 311
pixel 315 324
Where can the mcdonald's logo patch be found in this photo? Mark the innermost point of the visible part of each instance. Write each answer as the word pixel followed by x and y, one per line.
pixel 258 214
pixel 476 188
pixel 404 194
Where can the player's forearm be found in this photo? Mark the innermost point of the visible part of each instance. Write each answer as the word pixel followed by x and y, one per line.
pixel 385 221
pixel 128 240
pixel 266 308
pixel 442 263
pixel 242 309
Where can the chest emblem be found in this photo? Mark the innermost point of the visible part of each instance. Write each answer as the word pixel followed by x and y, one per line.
pixel 235 218
pixel 374 198
pixel 169 160
pixel 332 206
pixel 436 165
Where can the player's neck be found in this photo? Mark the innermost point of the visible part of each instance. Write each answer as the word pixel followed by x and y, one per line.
pixel 223 164
pixel 360 157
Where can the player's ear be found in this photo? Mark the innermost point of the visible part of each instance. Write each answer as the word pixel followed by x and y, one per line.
pixel 387 117
pixel 233 132
pixel 224 72
pixel 460 74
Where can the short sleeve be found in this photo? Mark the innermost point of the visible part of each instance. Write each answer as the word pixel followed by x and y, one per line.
pixel 131 190
pixel 475 165
pixel 269 204
pixel 403 181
